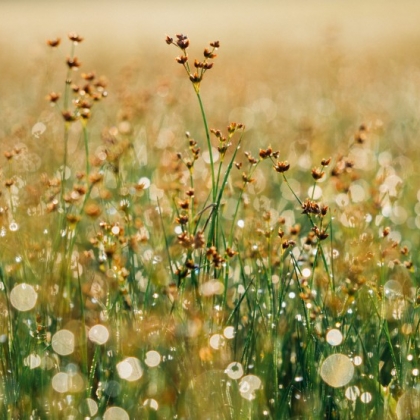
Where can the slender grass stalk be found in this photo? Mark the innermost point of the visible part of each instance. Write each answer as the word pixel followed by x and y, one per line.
pixel 209 147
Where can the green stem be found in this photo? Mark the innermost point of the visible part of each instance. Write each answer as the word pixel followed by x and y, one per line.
pixel 86 141
pixel 206 128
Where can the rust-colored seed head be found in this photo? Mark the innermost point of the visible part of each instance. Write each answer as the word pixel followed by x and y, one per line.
pixel 209 54
pixel 184 204
pixel 54 42
pixel 75 37
pixel 182 219
pixel 183 42
pixel 264 154
pixel 247 178
pixel 181 59
pixel 73 63
pixel 198 64
pixel 282 166
pixel 169 40
pixel 88 76
pixel 8 155
pixel 195 78
pixel 230 252
pixel 199 240
pixel 85 113
pixel 317 174
pixel 295 230
pixel 325 162
pixel 53 97
pixel 191 265
pixel 68 116
pixel 386 231
pixel 215 44
pixel 95 177
pixel 208 66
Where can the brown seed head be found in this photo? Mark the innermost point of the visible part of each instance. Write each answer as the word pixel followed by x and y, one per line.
pixel 209 54
pixel 264 154
pixel 8 155
pixel 73 63
pixel 95 177
pixel 198 64
pixel 169 40
pixel 230 252
pixel 199 240
pixel 282 166
pixel 317 174
pixel 54 42
pixel 181 59
pixel 53 97
pixel 215 44
pixel 182 41
pixel 88 76
pixel 69 116
pixel 195 78
pixel 75 37
pixel 325 162
pixel 182 219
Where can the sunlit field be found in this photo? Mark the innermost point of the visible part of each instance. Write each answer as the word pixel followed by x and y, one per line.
pixel 209 211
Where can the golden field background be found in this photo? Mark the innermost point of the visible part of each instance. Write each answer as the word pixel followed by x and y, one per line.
pixel 302 76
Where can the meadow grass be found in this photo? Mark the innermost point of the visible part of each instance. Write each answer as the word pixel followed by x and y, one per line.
pixel 161 259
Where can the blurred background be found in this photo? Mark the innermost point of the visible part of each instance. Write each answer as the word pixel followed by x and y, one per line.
pixel 118 31
pixel 302 76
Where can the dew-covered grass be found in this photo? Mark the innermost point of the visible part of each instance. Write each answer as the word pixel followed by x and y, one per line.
pixel 193 241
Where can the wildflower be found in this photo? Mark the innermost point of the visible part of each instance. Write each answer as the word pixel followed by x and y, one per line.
pixel 251 159
pixel 183 42
pixel 69 116
pixel 53 97
pixel 282 166
pixel 88 76
pixel 54 42
pixel 73 63
pixel 181 59
pixel 75 37
pixel 325 162
pixel 209 54
pixel 199 240
pixel 317 174
pixel 182 219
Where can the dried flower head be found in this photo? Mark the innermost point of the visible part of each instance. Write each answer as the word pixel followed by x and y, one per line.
pixel 88 76
pixel 182 41
pixel 53 97
pixel 325 162
pixel 73 63
pixel 317 174
pixel 75 37
pixel 282 166
pixel 69 116
pixel 54 42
